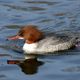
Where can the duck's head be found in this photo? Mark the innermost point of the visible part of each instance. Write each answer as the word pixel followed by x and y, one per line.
pixel 30 34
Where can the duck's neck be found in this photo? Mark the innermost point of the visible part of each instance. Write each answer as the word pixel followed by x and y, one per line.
pixel 29 42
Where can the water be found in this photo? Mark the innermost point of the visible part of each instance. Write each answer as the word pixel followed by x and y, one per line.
pixel 49 15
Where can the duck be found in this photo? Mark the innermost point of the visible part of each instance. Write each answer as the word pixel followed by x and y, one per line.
pixel 36 41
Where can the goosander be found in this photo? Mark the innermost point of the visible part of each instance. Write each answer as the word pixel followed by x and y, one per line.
pixel 38 42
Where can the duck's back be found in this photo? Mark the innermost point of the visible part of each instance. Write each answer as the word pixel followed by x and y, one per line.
pixel 55 42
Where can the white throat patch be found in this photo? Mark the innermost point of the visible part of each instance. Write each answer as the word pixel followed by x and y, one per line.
pixel 30 48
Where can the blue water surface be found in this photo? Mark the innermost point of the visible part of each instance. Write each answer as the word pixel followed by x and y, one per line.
pixel 49 15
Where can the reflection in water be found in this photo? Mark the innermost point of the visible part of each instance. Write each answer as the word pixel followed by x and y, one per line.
pixel 30 66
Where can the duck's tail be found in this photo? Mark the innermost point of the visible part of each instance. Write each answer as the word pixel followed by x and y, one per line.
pixel 73 34
pixel 77 37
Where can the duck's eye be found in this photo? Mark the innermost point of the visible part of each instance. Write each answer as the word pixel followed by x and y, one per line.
pixel 20 34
